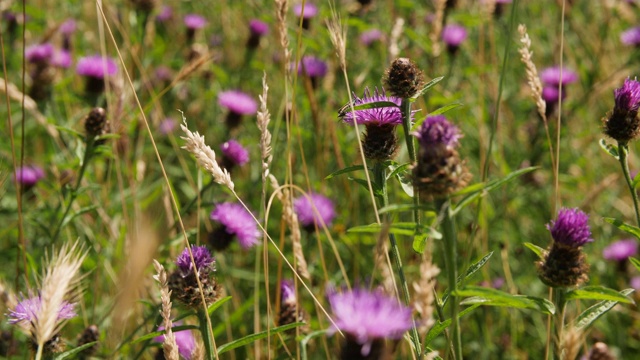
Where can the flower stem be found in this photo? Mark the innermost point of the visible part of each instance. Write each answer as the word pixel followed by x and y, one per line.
pixel 379 176
pixel 623 156
pixel 88 153
pixel 450 240
pixel 405 107
pixel 558 320
pixel 207 336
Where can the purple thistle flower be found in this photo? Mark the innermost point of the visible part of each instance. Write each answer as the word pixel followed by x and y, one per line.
pixel 235 153
pixel 635 282
pixel 627 97
pixel 165 14
pixel 28 310
pixel 551 76
pixel 571 228
pixel 620 250
pixel 194 21
pixel 631 36
pixel 258 27
pixel 39 53
pixel 287 292
pixel 389 115
pixel 370 36
pixel 201 256
pixel 28 175
pixel 238 102
pixel 184 339
pixel 68 27
pixel 312 67
pixel 310 10
pixel 438 130
pixel 167 126
pixel 61 58
pixel 237 221
pixel 454 35
pixel 369 316
pixel 315 209
pixel 96 66
pixel 551 94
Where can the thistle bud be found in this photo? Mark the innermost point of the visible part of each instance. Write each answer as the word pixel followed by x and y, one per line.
pixel 96 123
pixel 403 79
pixel 89 335
pixel 622 123
pixel 184 284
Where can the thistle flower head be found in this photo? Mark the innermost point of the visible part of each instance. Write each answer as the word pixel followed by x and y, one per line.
pixel 631 37
pixel 238 102
pixel 571 228
pixel 454 35
pixel 96 66
pixel 202 258
pixel 551 76
pixel 367 38
pixel 623 124
pixel 258 27
pixel 388 115
pixel 235 153
pixel 237 221
pixel 68 27
pixel 165 14
pixel 61 58
pixel 39 53
pixel 312 66
pixel 194 21
pixel 620 250
pixel 368 316
pixel 627 97
pixel 28 310
pixel 287 291
pixel 438 130
pixel 307 12
pixel 28 175
pixel 184 339
pixel 314 209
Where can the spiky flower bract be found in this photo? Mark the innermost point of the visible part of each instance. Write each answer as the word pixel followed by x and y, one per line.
pixel 235 221
pixel 314 209
pixel 201 257
pixel 290 312
pixel 367 318
pixel 622 123
pixel 564 264
pixel 403 79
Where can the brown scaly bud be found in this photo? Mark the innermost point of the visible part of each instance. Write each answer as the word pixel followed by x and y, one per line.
pixel 623 124
pixel 55 345
pixel 352 350
pixel 290 312
pixel 380 142
pixel 90 334
pixel 184 284
pixel 96 123
pixel 146 6
pixel 599 351
pixel 403 79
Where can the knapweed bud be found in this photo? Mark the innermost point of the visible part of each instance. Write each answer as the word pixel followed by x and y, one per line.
pixel 380 142
pixel 622 123
pixel 96 123
pixel 234 222
pixel 193 22
pixel 90 334
pixel 289 310
pixel 599 351
pixel 403 79
pixel 257 29
pixel 96 70
pixel 144 6
pixel 183 283
pixel 440 171
pixel 564 264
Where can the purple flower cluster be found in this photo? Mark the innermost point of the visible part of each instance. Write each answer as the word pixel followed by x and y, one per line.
pixel 96 66
pixel 28 310
pixel 237 221
pixel 310 10
pixel 201 257
pixel 314 209
pixel 258 27
pixel 571 228
pixel 438 130
pixel 627 97
pixel 631 37
pixel 39 53
pixel 453 36
pixel 238 102
pixel 388 115
pixel 312 67
pixel 552 80
pixel 367 38
pixel 184 339
pixel 28 175
pixel 368 316
pixel 235 153
pixel 194 21
pixel 620 250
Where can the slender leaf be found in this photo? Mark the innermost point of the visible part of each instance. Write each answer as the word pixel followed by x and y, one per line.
pixel 624 227
pixel 305 340
pixel 406 184
pixel 596 311
pixel 408 207
pixel 426 88
pixel 635 262
pixel 74 351
pixel 213 307
pixel 398 228
pixel 536 249
pixel 491 185
pixel 343 111
pixel 438 111
pixel 472 269
pixel 253 337
pixel 493 297
pixel 597 293
pixel 84 210
pixel 610 149
pixel 440 327
pixel 365 184
pixel 344 171
pixel 397 170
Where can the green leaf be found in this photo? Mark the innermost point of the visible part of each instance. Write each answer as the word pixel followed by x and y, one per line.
pixel 398 228
pixel 610 149
pixel 420 243
pixel 84 210
pixel 492 297
pixel 344 171
pixel 472 269
pixel 597 293
pixel 213 307
pixel 406 184
pixel 74 351
pixel 305 340
pixel 440 327
pixel 365 184
pixel 488 186
pixel 343 111
pixel 426 88
pixel 438 111
pixel 596 311
pixel 397 170
pixel 536 249
pixel 429 214
pixel 253 337
pixel 635 262
pixel 624 227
